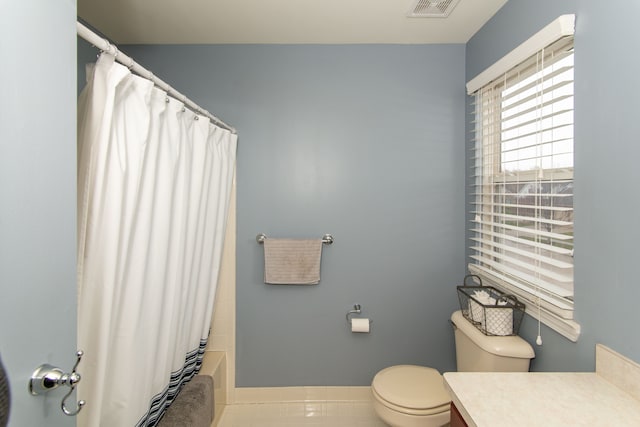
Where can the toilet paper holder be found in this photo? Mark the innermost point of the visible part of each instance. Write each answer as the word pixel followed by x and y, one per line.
pixel 357 309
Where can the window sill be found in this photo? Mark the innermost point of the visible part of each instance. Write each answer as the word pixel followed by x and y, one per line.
pixel 565 327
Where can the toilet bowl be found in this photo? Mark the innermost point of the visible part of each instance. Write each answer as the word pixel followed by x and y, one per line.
pixel 410 396
pixel 415 396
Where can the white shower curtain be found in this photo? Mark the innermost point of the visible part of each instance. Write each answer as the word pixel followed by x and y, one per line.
pixel 153 193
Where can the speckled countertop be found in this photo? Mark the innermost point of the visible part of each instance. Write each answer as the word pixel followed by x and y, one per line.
pixel 541 399
pixel 607 397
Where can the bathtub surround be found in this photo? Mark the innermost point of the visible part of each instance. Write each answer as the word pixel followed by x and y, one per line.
pixel 216 365
pixel 220 359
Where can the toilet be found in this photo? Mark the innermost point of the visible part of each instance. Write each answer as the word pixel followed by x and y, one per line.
pixel 414 396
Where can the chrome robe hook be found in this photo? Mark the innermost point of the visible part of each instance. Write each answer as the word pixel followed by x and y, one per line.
pixel 48 377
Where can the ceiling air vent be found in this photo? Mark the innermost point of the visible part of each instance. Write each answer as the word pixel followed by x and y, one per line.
pixel 432 8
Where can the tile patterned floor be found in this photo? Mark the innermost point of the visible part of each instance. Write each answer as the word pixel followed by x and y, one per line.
pixel 302 414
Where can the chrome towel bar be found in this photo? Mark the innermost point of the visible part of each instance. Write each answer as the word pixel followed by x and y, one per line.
pixel 327 239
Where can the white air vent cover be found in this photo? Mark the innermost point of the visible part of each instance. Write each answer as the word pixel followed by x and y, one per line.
pixel 432 8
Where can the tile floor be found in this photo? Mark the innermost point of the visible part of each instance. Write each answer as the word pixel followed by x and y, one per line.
pixel 293 414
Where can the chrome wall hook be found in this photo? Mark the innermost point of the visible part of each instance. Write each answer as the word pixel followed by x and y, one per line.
pixel 48 377
pixel 63 405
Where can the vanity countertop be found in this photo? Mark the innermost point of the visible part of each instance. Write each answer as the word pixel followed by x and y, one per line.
pixel 496 399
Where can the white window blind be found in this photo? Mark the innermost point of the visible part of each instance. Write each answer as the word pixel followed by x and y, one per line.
pixel 522 225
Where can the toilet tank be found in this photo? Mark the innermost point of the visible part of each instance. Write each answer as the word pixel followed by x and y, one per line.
pixel 477 352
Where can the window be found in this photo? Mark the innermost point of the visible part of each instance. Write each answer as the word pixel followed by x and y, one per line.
pixel 522 216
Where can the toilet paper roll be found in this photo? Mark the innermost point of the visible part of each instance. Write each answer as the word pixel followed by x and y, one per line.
pixel 360 325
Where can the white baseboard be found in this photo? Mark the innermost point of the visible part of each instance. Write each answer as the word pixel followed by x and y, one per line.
pixel 301 394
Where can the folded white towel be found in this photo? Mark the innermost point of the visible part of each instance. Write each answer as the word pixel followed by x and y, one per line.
pixel 484 297
pixel 292 261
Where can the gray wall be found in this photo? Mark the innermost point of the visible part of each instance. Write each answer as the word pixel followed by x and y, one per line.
pixel 37 201
pixel 365 143
pixel 607 199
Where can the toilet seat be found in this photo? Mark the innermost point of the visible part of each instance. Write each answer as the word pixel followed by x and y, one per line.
pixel 410 389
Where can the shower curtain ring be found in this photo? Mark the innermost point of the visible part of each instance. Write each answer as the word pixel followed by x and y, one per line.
pixel 108 49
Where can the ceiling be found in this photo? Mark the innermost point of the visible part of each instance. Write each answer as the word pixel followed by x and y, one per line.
pixel 281 21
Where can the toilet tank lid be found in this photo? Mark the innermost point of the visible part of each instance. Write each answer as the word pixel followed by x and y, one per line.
pixel 508 346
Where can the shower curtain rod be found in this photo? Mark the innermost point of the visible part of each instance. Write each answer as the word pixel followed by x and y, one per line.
pixel 105 46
